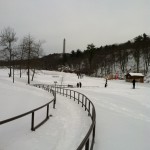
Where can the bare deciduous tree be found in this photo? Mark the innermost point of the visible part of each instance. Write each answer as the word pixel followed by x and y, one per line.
pixel 32 51
pixel 21 53
pixel 37 53
pixel 7 38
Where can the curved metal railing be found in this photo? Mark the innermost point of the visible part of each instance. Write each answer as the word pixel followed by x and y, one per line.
pixel 88 141
pixel 32 112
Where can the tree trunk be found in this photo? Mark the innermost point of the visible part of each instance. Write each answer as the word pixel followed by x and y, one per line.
pixel 10 59
pixel 33 74
pixel 29 64
pixel 28 75
pixel 137 65
pixel 20 71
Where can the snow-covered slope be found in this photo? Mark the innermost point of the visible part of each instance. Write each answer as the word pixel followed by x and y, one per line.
pixel 123 115
pixel 64 130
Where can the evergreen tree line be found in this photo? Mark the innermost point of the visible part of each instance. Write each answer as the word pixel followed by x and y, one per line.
pixel 107 59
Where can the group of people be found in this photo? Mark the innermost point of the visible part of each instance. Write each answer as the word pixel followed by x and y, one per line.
pixel 80 76
pixel 79 85
pixel 106 84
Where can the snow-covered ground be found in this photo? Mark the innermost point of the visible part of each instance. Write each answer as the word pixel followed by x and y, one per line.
pixel 123 114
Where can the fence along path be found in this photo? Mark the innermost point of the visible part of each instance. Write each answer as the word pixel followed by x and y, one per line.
pixel 88 142
pixel 32 112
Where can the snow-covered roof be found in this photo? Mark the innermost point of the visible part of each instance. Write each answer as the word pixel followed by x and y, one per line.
pixel 136 74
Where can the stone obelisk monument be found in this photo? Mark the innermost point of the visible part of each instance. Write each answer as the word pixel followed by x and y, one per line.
pixel 64 46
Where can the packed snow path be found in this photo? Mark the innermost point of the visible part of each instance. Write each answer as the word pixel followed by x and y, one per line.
pixel 122 122
pixel 64 130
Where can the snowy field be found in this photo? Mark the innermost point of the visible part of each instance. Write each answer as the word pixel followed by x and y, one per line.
pixel 123 114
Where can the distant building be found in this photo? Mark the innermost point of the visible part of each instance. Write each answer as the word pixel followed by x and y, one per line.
pixel 139 77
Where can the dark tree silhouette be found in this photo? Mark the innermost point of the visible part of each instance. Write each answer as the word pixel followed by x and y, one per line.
pixel 7 39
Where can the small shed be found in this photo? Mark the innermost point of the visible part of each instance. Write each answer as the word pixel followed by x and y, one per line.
pixel 139 77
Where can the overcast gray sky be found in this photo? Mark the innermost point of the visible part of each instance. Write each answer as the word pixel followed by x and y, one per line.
pixel 81 22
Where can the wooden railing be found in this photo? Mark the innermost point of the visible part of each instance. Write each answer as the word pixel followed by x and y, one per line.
pixel 88 141
pixel 32 112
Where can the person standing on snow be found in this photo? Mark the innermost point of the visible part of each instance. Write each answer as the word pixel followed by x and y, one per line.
pixel 133 83
pixel 106 83
pixel 80 84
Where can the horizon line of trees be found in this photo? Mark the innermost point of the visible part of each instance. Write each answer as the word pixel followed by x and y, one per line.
pixel 105 59
pixel 92 61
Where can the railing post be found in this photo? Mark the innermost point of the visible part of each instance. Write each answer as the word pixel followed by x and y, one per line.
pixel 66 92
pixel 47 115
pixel 74 96
pixel 87 145
pixel 85 103
pixel 63 92
pixel 54 100
pixel 94 133
pixel 70 94
pixel 82 100
pixel 89 109
pixel 92 113
pixel 78 97
pixel 32 122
